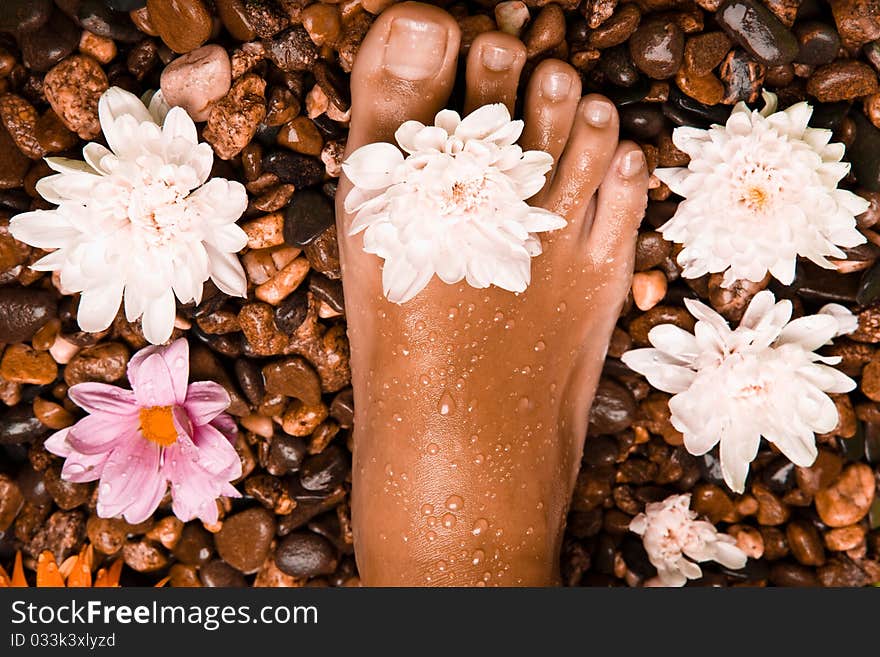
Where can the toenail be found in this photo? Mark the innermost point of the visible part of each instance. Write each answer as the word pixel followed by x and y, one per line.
pixel 497 58
pixel 416 49
pixel 598 113
pixel 556 85
pixel 632 163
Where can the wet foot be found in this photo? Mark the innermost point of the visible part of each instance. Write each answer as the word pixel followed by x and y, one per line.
pixel 471 405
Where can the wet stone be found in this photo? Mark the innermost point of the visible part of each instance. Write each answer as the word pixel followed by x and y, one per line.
pixel 842 572
pixel 23 311
pixel 294 168
pixel 642 121
pixel 107 535
pixel 805 543
pixel 67 494
pixel 756 29
pixel 197 79
pixel 183 25
pixel 790 574
pixel 681 109
pixel 613 409
pixel 848 499
pixel 45 47
pixel 219 574
pixel 195 545
pixel 818 43
pixel 62 534
pixel 657 48
pixel 857 20
pixel 324 471
pixel 617 29
pixel 234 119
pixel 104 363
pixel 842 80
pixel 286 454
pixel 243 541
pixel 73 88
pixel 742 77
pixel 619 69
pixel 328 290
pixel 11 501
pixel 24 15
pixel 703 52
pixel 144 556
pixel 293 377
pixel 292 311
pixel 292 50
pixel 305 554
pixel 309 214
pixel 99 17
pixel 323 254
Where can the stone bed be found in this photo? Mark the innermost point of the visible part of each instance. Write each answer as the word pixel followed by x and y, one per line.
pixel 282 353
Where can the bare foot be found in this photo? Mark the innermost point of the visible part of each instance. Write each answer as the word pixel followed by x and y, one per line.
pixel 471 405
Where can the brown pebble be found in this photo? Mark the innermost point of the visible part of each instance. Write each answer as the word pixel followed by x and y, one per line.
pixel 104 363
pixel 748 539
pixel 842 80
pixel 107 535
pixel 277 288
pixel 301 135
pixel 617 29
pixel 651 249
pixel 181 575
pixel 771 510
pixel 704 52
pixel 166 531
pixel 97 47
pixel 183 25
pixel 293 377
pixel 301 419
pixel 848 499
pixel 714 503
pixel 234 118
pixel 322 22
pixel 657 48
pixel 282 106
pixel 732 301
pixel 870 383
pixel 53 415
pixel 144 556
pixel 53 135
pixel 258 325
pixel 805 544
pixel 858 21
pixel 11 501
pixel 706 89
pixel 195 545
pixel 842 539
pixel 775 543
pixel 648 288
pixel 21 363
pixel 640 326
pixel 20 119
pixel 547 30
pixel 824 470
pixel 244 540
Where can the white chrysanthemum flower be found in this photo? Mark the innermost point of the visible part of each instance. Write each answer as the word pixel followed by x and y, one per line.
pixel 760 191
pixel 455 206
pixel 140 219
pixel 675 541
pixel 762 379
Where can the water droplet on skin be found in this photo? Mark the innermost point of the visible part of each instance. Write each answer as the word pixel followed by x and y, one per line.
pixel 540 506
pixel 431 536
pixel 477 557
pixel 487 576
pixel 432 449
pixel 420 325
pixel 530 531
pixel 448 520
pixel 509 324
pixel 453 313
pixel 433 522
pixel 427 509
pixel 454 503
pixel 471 307
pixel 459 384
pixel 478 459
pixel 441 566
pixel 524 404
pixel 389 471
pixel 562 307
pixel 540 345
pixel 481 584
pixel 397 418
pixel 499 316
pixel 480 526
pixel 446 404
pixel 424 380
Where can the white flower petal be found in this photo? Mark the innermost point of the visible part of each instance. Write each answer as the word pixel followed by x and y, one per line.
pixel 372 166
pixel 226 272
pixel 98 306
pixel 179 125
pixel 158 318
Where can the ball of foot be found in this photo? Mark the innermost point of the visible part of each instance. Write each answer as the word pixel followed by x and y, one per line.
pixel 197 79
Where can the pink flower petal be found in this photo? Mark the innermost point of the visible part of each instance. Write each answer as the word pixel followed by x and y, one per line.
pixel 216 454
pixel 134 364
pixel 176 357
pixel 205 400
pixel 154 383
pixel 103 398
pixel 57 443
pixel 130 470
pixel 80 468
pixel 99 433
pixel 148 499
pixel 227 426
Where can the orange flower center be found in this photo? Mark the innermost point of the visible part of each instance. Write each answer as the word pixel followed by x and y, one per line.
pixel 157 425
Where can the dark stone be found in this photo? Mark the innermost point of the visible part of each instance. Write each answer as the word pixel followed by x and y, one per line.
pixel 292 50
pixel 328 291
pixel 342 408
pixel 742 77
pixel 816 283
pixel 613 409
pixel 334 84
pixel 24 15
pixel 324 471
pixel 305 554
pixel 642 121
pixel 869 286
pixel 657 48
pixel 818 43
pixel 865 153
pixel 778 475
pixel 23 312
pixel 308 505
pixel 755 570
pixel 286 454
pixel 829 115
pixel 309 214
pixel 243 541
pixel 43 48
pixel 618 67
pixel 219 574
pixel 622 96
pixel 756 29
pixel 684 110
pixel 195 547
pixel 793 574
pixel 300 170
pixel 292 311
pixel 710 467
pixel 636 557
pixel 265 17
pixel 331 130
pixel 98 18
pixel 18 425
pixel 600 450
pixel 250 380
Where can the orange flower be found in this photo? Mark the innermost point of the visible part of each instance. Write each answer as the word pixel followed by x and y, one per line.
pixel 74 572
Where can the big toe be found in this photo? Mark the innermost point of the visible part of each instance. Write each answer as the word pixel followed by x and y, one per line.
pixel 404 70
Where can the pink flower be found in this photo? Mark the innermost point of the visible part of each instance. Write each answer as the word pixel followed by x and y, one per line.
pixel 163 430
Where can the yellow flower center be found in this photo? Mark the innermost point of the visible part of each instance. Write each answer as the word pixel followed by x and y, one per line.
pixel 157 425
pixel 756 198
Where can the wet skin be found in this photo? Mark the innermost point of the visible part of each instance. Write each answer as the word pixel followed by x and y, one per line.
pixel 471 405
